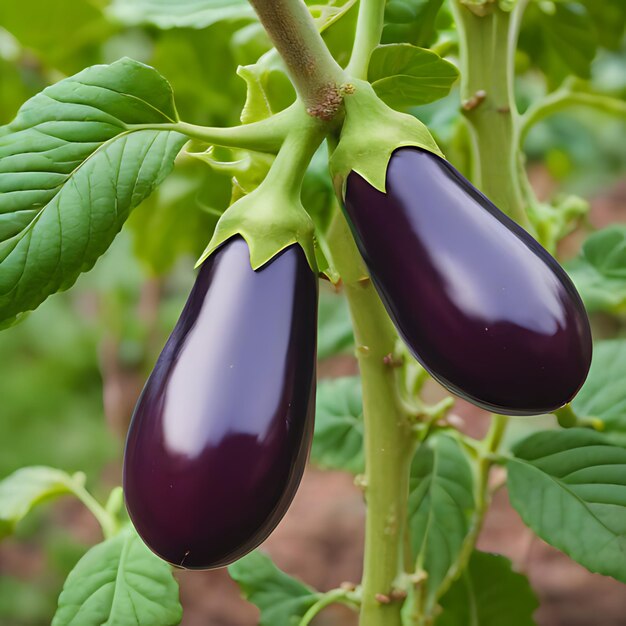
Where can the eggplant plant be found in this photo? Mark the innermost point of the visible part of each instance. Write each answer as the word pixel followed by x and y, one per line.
pixel 340 170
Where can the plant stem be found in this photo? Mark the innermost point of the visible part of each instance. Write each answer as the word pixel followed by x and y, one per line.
pixel 331 597
pixel 567 97
pixel 289 167
pixel 107 521
pixel 264 136
pixel 487 50
pixel 369 29
pixel 389 444
pixel 315 74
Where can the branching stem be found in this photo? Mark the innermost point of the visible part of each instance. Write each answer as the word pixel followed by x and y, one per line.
pixel 317 77
pixel 368 33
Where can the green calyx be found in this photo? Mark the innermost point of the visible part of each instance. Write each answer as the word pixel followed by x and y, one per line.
pixel 270 220
pixel 370 133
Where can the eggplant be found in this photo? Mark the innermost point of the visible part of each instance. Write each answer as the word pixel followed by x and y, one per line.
pixel 220 435
pixel 485 309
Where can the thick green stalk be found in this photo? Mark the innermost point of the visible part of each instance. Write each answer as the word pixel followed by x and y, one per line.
pixel 487 49
pixel 368 32
pixel 315 74
pixel 389 443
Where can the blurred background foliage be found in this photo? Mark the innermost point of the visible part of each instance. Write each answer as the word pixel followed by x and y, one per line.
pixel 71 372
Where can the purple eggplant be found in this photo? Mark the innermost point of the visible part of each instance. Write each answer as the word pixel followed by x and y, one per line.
pixel 485 309
pixel 220 436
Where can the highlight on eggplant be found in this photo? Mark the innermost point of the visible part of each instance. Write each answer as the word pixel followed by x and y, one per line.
pixel 221 433
pixel 485 309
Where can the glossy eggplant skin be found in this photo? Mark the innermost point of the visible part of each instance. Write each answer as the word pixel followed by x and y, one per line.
pixel 220 435
pixel 485 309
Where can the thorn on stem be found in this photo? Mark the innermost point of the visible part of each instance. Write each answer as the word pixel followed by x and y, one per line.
pixel 397 595
pixel 360 481
pixel 474 101
pixel 382 598
pixel 393 361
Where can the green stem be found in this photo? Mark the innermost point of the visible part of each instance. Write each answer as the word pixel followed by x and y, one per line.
pixel 369 29
pixel 331 597
pixel 107 521
pixel 289 167
pixel 315 74
pixel 264 136
pixel 564 98
pixel 487 49
pixel 568 418
pixel 389 444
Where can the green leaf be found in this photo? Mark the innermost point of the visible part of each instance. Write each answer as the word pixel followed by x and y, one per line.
pixel 269 88
pixel 603 396
pixel 283 600
pixel 412 21
pixel 560 39
pixel 609 17
pixel 367 153
pixel 404 75
pixel 599 272
pixel 26 488
pixel 119 582
pixel 334 326
pixel 568 32
pixel 181 13
pixel 75 162
pixel 441 506
pixel 489 593
pixel 338 440
pixel 570 488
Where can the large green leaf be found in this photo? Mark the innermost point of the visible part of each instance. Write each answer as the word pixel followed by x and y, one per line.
pixel 181 13
pixel 599 272
pixel 570 488
pixel 338 441
pixel 441 505
pixel 75 162
pixel 489 593
pixel 404 75
pixel 603 395
pixel 26 488
pixel 119 582
pixel 283 600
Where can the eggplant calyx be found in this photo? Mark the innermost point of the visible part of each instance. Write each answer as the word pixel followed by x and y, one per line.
pixel 371 132
pixel 270 220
